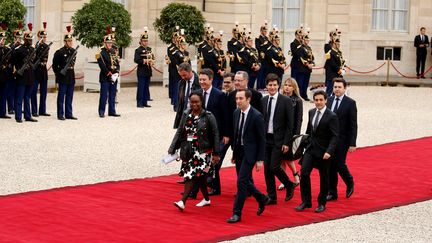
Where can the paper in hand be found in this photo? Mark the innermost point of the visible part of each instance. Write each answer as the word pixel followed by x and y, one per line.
pixel 169 158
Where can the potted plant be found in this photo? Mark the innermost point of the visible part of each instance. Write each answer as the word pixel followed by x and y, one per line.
pixel 11 13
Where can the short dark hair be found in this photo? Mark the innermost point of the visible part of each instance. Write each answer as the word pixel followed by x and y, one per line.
pixel 229 75
pixel 248 93
pixel 197 93
pixel 184 67
pixel 208 72
pixel 272 77
pixel 340 80
pixel 320 92
pixel 422 28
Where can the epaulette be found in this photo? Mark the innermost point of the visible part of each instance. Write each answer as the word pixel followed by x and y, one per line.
pixel 242 49
pixel 264 43
pixel 97 55
pixel 269 47
pixel 299 46
pixel 235 43
pixel 327 55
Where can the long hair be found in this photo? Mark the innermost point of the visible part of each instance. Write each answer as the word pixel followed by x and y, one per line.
pixel 293 82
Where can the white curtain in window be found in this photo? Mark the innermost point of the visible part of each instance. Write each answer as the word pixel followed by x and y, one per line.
pixel 277 17
pixel 293 14
pixel 278 3
pixel 120 1
pixel 30 15
pixel 400 15
pixel 380 14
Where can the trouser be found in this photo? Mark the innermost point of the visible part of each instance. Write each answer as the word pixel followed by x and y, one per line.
pixel 420 63
pixel 329 87
pixel 252 79
pixel 244 184
pixel 22 93
pixel 42 96
pixel 10 95
pixel 294 72
pixel 338 166
pixel 272 167
pixel 143 93
pixel 261 77
pixel 216 182
pixel 303 83
pixel 308 163
pixel 64 100
pixel 3 87
pixel 175 93
pixel 108 92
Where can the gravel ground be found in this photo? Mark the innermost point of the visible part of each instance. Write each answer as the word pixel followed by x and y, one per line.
pixel 53 153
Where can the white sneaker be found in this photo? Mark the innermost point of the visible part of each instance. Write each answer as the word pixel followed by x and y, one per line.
pixel 180 205
pixel 203 203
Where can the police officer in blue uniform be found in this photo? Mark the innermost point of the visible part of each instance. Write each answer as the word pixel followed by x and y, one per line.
pixel 108 76
pixel 63 67
pixel 144 57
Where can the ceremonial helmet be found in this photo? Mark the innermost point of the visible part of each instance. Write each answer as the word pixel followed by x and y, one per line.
pixel 274 34
pixel 42 32
pixel 28 35
pixel 68 36
pixel 108 38
pixel 248 36
pixel 3 27
pixel 144 36
pixel 18 33
pixel 176 33
pixel 300 31
pixel 306 34
pixel 181 39
pixel 264 27
pixel 218 38
pixel 236 30
pixel 209 34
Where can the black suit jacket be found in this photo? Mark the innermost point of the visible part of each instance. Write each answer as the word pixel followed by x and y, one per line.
pixel 217 105
pixel 181 96
pixel 253 135
pixel 347 115
pixel 324 138
pixel 283 119
pixel 418 42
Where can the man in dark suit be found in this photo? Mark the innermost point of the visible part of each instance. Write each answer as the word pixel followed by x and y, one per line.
pixel 421 42
pixel 323 127
pixel 215 102
pixel 279 118
pixel 187 83
pixel 346 110
pixel 249 149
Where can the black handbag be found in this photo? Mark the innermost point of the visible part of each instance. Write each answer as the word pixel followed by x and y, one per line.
pixel 185 150
pixel 298 146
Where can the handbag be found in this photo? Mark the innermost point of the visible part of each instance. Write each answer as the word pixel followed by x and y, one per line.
pixel 298 146
pixel 185 150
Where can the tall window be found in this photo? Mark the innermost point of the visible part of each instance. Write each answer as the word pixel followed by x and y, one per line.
pixel 286 14
pixel 390 15
pixel 30 15
pixel 120 1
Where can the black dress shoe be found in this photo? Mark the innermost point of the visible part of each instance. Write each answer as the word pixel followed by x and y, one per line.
pixel 302 206
pixel 31 120
pixel 181 182
pixel 262 204
pixel 140 106
pixel 61 118
pixel 331 197
pixel 5 117
pixel 35 115
pixel 101 116
pixel 147 105
pixel 44 114
pixel 289 193
pixel 19 120
pixel 350 190
pixel 234 219
pixel 320 209
pixel 214 193
pixel 71 118
pixel 114 115
pixel 272 202
pixel 150 99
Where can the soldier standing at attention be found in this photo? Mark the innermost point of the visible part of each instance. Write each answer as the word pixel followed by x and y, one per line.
pixel 22 60
pixel 249 60
pixel 295 47
pixel 41 74
pixel 261 44
pixel 144 57
pixel 4 57
pixel 234 46
pixel 108 76
pixel 63 67
pixel 275 56
pixel 10 86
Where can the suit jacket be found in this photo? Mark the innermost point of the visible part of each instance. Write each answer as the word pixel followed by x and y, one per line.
pixel 283 119
pixel 347 115
pixel 217 106
pixel 324 138
pixel 181 97
pixel 253 135
pixel 418 42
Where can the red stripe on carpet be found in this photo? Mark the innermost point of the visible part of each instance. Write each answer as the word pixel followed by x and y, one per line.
pixel 141 210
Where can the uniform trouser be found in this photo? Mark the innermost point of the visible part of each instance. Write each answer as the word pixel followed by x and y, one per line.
pixel 143 93
pixel 108 92
pixel 303 83
pixel 244 184
pixel 171 85
pixel 329 87
pixel 175 94
pixel 217 82
pixel 3 87
pixel 64 100
pixel 338 166
pixel 252 79
pixel 42 96
pixel 272 167
pixel 261 77
pixel 420 63
pixel 10 95
pixel 294 73
pixel 22 93
pixel 308 163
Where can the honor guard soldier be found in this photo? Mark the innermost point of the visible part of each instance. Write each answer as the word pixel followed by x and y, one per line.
pixel 334 65
pixel 217 61
pixel 41 73
pixel 63 67
pixel 275 56
pixel 5 54
pixel 261 44
pixel 10 89
pixel 23 57
pixel 144 57
pixel 179 56
pixel 295 47
pixel 108 76
pixel 234 45
pixel 205 47
pixel 305 70
pixel 249 60
pixel 173 76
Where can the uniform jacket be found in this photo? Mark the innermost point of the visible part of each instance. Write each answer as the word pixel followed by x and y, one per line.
pixel 4 76
pixel 274 55
pixel 144 70
pixel 41 72
pixel 333 64
pixel 19 58
pixel 59 62
pixel 295 47
pixel 107 63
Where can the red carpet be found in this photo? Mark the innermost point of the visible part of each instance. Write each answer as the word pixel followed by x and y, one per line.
pixel 141 210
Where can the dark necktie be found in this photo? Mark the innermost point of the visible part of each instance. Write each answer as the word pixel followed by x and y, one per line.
pixel 240 131
pixel 269 110
pixel 315 124
pixel 187 93
pixel 336 105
